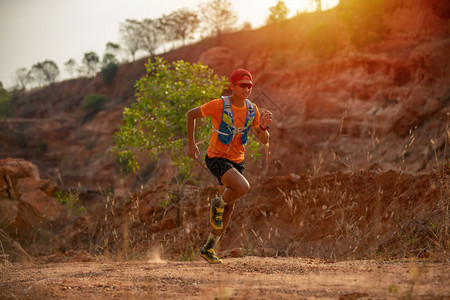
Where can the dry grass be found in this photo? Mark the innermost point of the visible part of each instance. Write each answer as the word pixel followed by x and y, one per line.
pixel 342 215
pixel 370 213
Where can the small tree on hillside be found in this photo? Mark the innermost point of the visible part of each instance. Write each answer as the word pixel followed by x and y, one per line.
pixel 219 17
pixel 23 77
pixel 130 33
pixel 152 35
pixel 110 63
pixel 183 24
pixel 45 72
pixel 246 26
pixel 278 13
pixel 109 67
pixel 112 48
pixel 36 74
pixel 318 4
pixel 91 61
pixel 70 66
pixel 156 122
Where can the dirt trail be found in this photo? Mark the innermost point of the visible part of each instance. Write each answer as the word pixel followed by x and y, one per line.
pixel 237 278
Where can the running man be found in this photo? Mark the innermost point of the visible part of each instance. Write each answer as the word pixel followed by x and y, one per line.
pixel 231 120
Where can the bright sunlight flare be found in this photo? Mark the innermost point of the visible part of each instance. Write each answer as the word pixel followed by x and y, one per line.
pixel 258 14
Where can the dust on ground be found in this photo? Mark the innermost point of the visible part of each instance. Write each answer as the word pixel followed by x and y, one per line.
pixel 237 278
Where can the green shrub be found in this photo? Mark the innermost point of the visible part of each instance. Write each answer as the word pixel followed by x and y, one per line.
pixel 66 198
pixel 93 102
pixel 321 40
pixel 6 107
pixel 110 64
pixel 108 72
pixel 156 122
pixel 70 200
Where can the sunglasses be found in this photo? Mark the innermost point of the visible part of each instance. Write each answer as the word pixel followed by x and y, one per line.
pixel 245 85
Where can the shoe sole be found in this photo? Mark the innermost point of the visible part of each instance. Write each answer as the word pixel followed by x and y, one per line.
pixel 216 262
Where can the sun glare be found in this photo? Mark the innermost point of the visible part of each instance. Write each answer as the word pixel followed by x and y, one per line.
pixel 301 6
pixel 257 14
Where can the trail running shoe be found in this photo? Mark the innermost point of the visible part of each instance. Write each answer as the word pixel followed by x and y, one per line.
pixel 216 215
pixel 210 256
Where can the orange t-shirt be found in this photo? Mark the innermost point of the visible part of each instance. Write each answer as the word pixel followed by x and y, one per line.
pixel 234 151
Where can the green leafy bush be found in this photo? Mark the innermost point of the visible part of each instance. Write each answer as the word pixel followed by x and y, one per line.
pixel 93 102
pixel 156 122
pixel 70 200
pixel 108 72
pixel 109 68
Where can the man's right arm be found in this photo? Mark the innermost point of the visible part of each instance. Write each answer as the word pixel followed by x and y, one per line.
pixel 193 114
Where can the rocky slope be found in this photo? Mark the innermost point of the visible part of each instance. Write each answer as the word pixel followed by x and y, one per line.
pixel 343 215
pixel 334 180
pixel 388 105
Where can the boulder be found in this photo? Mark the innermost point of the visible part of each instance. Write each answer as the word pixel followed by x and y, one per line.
pixel 11 170
pixel 26 201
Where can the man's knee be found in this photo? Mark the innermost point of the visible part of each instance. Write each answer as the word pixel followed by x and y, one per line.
pixel 238 191
pixel 236 182
pixel 242 189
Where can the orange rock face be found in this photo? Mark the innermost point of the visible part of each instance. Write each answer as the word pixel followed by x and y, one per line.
pixel 25 199
pixel 351 110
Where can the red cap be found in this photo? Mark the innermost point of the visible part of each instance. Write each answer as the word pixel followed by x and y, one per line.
pixel 240 74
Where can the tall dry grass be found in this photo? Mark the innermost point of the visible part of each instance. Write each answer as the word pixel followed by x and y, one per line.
pixel 355 213
pixel 347 214
pixel 372 213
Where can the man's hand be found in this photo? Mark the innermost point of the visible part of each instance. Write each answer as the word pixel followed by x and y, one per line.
pixel 266 119
pixel 193 151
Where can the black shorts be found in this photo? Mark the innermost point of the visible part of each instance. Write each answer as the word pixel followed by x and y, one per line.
pixel 219 165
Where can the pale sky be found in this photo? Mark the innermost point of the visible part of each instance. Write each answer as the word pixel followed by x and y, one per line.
pixel 33 31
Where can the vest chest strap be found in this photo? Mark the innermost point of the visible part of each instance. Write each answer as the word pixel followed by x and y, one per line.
pixel 227 131
pixel 239 130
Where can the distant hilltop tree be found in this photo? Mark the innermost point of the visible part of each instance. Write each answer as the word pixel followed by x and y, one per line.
pixel 112 48
pixel 45 72
pixel 130 33
pixel 110 63
pixel 70 66
pixel 23 77
pixel 151 35
pixel 92 62
pixel 278 13
pixel 218 16
pixel 182 24
pixel 109 68
pixel 318 4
